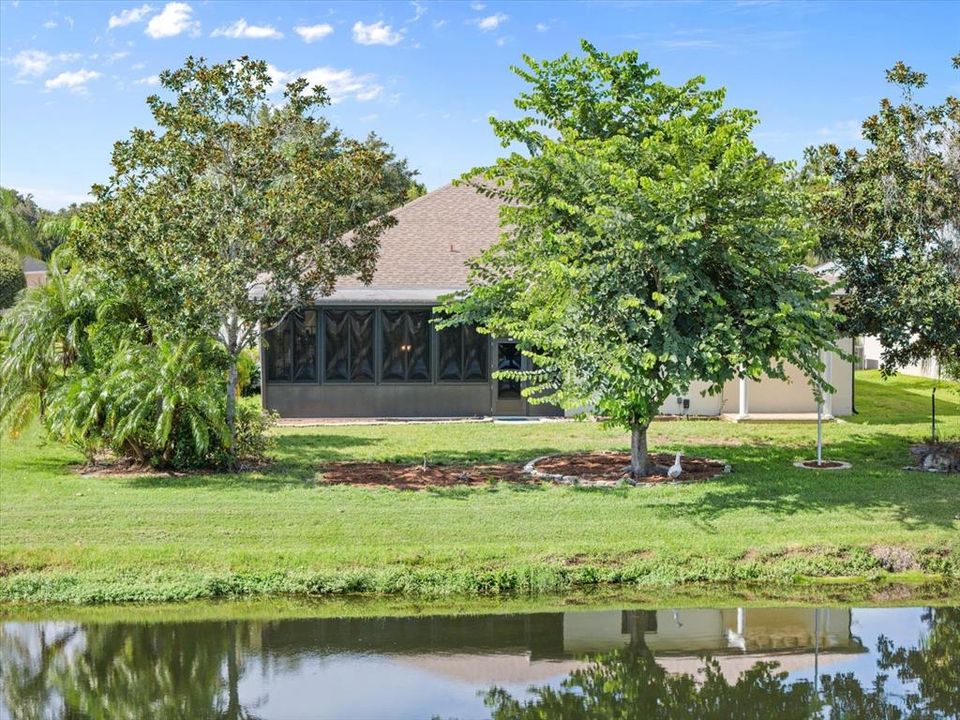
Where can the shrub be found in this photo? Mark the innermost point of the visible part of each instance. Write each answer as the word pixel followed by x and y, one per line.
pixel 254 425
pixel 159 404
pixel 248 373
pixel 12 280
pixel 254 440
pixel 80 353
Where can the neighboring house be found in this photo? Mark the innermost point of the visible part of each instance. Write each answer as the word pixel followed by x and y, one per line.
pixel 530 648
pixel 870 349
pixel 35 271
pixel 370 350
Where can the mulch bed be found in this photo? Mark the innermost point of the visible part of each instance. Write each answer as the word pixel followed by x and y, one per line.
pixel 600 468
pixel 825 465
pixel 415 477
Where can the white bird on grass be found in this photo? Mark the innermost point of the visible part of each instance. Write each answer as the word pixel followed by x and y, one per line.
pixel 673 472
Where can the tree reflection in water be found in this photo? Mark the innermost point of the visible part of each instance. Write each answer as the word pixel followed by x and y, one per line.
pixel 188 670
pixel 629 683
pixel 194 670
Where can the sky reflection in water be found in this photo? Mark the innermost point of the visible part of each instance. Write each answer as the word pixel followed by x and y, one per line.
pixel 785 662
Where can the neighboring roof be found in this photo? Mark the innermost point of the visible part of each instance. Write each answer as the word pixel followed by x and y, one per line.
pixel 33 265
pixel 424 254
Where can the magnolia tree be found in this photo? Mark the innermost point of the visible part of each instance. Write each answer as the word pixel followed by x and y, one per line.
pixel 647 244
pixel 889 217
pixel 237 208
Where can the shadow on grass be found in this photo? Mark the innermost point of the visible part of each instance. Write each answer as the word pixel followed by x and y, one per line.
pixel 902 399
pixel 764 480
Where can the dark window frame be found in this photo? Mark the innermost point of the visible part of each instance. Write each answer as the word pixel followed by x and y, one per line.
pixel 289 322
pixel 375 342
pixel 485 365
pixel 378 348
pixel 431 350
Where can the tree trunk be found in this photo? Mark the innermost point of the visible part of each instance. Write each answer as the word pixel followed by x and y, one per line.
pixel 234 710
pixel 232 411
pixel 639 460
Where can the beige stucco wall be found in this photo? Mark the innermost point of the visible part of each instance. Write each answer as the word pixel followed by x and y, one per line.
pixel 35 278
pixel 773 396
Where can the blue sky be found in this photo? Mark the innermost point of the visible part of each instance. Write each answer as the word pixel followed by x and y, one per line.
pixel 426 75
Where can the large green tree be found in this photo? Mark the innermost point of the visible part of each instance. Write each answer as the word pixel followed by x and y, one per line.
pixel 237 208
pixel 647 244
pixel 889 216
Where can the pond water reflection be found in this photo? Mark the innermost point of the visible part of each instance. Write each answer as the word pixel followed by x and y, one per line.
pixel 684 663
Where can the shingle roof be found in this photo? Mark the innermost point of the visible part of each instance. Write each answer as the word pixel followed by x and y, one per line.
pixel 428 247
pixel 424 255
pixel 33 265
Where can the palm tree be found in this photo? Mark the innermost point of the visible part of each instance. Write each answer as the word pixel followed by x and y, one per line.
pixel 54 229
pixel 40 337
pixel 15 232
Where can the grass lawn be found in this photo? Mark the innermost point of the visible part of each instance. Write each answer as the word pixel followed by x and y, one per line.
pixel 71 538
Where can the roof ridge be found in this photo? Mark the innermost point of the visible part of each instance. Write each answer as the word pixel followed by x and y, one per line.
pixel 422 197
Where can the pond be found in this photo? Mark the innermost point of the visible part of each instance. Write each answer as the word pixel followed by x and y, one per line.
pixel 753 662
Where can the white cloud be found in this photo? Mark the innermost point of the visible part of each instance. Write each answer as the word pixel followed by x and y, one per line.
pixel 491 22
pixel 378 33
pixel 31 62
pixel 312 33
pixel 241 29
pixel 120 55
pixel 75 81
pixel 138 66
pixel 34 63
pixel 175 18
pixel 50 24
pixel 478 6
pixel 149 80
pixel 439 23
pixel 341 84
pixel 369 118
pixel 129 16
pixel 542 27
pixel 419 10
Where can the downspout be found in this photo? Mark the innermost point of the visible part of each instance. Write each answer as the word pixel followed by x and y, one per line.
pixel 853 387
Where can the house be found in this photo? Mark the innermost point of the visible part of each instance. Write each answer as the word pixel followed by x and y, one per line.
pixel 34 271
pixel 870 349
pixel 537 647
pixel 371 351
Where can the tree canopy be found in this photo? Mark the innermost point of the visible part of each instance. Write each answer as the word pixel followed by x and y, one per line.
pixel 889 217
pixel 238 208
pixel 647 243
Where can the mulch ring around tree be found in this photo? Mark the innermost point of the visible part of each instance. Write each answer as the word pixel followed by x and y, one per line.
pixel 415 477
pixel 608 469
pixel 823 465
